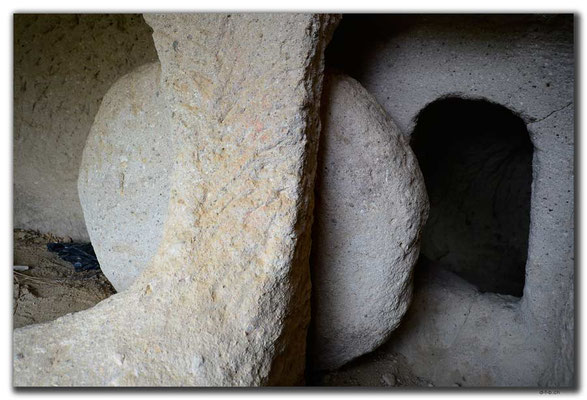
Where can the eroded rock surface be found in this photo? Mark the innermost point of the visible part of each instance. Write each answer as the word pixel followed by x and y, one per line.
pixel 371 204
pixel 524 63
pixel 450 319
pixel 63 66
pixel 124 177
pixel 226 299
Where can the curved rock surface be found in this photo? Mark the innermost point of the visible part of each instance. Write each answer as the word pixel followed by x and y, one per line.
pixel 124 176
pixel 371 204
pixel 63 66
pixel 408 71
pixel 225 301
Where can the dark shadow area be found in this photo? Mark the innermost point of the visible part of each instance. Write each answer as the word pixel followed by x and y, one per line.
pixel 359 38
pixel 476 158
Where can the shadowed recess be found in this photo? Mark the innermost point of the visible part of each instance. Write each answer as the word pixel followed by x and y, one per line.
pixel 476 158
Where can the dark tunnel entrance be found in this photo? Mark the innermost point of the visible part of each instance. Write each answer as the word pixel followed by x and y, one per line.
pixel 476 158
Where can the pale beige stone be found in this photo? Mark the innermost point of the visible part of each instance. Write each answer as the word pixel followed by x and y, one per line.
pixel 226 299
pixel 63 66
pixel 124 176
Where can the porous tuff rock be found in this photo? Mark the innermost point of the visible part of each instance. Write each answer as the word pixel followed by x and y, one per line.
pixel 459 320
pixel 124 176
pixel 226 299
pixel 371 204
pixel 456 335
pixel 525 63
pixel 63 66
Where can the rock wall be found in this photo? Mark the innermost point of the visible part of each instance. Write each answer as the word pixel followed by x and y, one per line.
pixel 524 63
pixel 63 66
pixel 225 302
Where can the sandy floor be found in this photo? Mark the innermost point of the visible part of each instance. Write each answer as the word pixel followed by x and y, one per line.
pixel 50 288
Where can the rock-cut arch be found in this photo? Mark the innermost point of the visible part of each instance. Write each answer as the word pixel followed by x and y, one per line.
pixel 476 158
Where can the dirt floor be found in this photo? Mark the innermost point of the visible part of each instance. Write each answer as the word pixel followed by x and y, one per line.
pixel 50 287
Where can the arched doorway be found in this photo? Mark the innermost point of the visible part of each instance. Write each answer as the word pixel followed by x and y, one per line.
pixel 476 158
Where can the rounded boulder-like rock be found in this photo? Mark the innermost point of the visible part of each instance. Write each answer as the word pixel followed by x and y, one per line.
pixel 124 176
pixel 371 204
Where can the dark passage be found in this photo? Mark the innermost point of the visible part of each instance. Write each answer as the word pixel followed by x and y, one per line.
pixel 476 158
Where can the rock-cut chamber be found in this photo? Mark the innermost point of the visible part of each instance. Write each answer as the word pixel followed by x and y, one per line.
pixel 476 158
